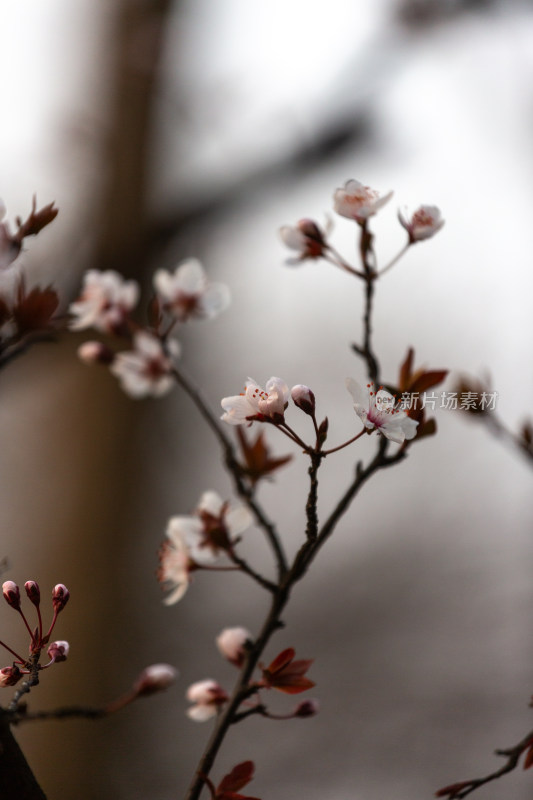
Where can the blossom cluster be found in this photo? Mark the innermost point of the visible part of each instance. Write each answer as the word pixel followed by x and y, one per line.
pixel 356 202
pixel 106 304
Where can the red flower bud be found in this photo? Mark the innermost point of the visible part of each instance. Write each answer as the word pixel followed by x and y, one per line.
pixel 9 676
pixel 11 594
pixel 307 708
pixel 303 398
pixel 60 596
pixel 33 592
pixel 58 651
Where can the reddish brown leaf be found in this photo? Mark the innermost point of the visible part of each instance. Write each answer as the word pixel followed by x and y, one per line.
pixel 34 311
pixel 426 380
pixel 427 428
pixel 528 761
pixel 288 675
pixel 452 790
pixel 237 778
pixel 281 660
pixel 407 368
pixel 5 313
pixel 256 456
pixel 36 221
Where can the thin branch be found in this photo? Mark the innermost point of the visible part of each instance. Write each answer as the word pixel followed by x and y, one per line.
pixel 395 260
pixel 464 788
pixel 68 712
pixel 312 499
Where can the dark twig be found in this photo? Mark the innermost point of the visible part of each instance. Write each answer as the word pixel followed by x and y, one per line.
pixel 464 788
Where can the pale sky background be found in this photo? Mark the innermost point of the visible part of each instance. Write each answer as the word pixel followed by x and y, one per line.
pixel 418 612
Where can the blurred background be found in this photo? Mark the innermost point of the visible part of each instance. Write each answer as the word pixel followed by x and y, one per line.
pixel 165 130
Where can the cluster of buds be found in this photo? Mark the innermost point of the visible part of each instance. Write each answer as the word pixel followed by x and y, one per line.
pixel 285 673
pixel 106 304
pixel 57 650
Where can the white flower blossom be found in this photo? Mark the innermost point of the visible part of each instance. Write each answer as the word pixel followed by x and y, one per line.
pixel 207 696
pixel 198 540
pixel 306 238
pixel 358 202
pixel 231 644
pixel 145 370
pixel 256 402
pixel 174 565
pixel 187 293
pixel 155 678
pixel 105 301
pixel 424 223
pixel 377 410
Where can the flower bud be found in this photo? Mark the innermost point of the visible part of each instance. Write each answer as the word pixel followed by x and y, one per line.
pixel 95 353
pixel 33 592
pixel 155 678
pixel 60 596
pixel 232 644
pixel 303 398
pixel 9 676
pixel 11 593
pixel 208 696
pixel 58 651
pixel 307 708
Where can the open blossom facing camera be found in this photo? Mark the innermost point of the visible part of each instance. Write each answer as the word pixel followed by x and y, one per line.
pixel 208 696
pixel 104 303
pixel 306 238
pixel 358 202
pixel 146 370
pixel 198 540
pixel 256 403
pixel 424 223
pixel 377 410
pixel 187 293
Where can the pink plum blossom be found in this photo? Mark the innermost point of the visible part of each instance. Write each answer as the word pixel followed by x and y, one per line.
pixel 256 403
pixel 377 410
pixel 358 202
pixel 306 238
pixel 208 696
pixel 198 540
pixel 155 678
pixel 104 303
pixel 9 676
pixel 187 293
pixel 147 369
pixel 58 651
pixel 424 223
pixel 231 644
pixel 175 564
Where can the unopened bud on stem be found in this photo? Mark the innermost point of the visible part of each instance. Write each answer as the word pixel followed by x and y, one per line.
pixel 303 398
pixel 60 597
pixel 11 593
pixel 58 651
pixel 155 678
pixel 33 592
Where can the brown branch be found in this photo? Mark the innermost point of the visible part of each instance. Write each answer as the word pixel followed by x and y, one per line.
pixel 299 567
pixel 464 788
